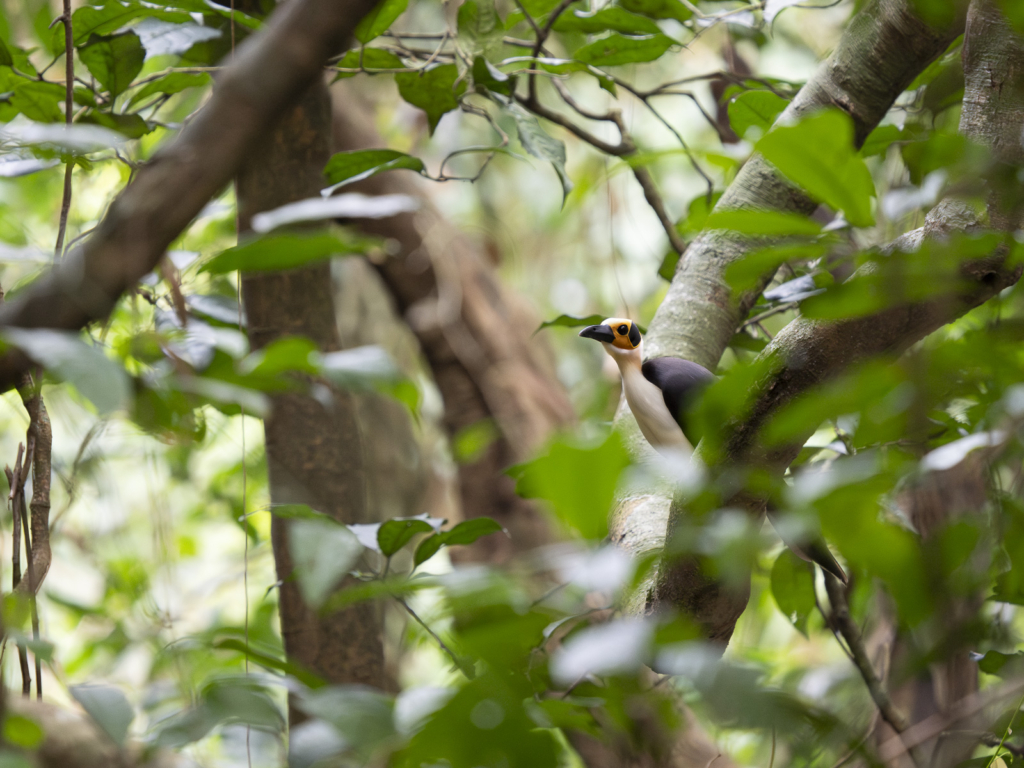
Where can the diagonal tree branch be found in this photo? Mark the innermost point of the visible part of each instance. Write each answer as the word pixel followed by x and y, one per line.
pixel 270 72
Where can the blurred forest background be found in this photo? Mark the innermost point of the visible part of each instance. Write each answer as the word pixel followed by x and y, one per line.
pixel 306 465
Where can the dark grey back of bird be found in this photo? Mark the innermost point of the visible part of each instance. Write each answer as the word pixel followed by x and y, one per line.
pixel 681 383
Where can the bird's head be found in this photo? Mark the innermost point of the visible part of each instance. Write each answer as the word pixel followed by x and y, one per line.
pixel 620 336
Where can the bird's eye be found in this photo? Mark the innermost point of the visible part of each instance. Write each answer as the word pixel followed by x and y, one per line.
pixel 622 330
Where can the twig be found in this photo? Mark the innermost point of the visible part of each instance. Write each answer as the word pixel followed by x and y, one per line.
pixel 459 663
pixel 69 113
pixel 16 498
pixel 859 655
pixel 655 201
pixel 932 726
pixel 1006 732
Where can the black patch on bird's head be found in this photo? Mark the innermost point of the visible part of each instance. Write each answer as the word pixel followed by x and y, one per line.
pixel 634 335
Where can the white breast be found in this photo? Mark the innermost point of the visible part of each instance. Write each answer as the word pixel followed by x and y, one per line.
pixel 652 415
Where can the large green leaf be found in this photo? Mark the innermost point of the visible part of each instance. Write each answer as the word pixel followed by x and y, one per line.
pixel 568 321
pixel 755 109
pixel 114 60
pixel 108 707
pixel 377 21
pixel 356 165
pixel 818 155
pixel 113 15
pixel 436 91
pixel 762 223
pixel 577 483
pixel 323 552
pixel 541 145
pixel 658 9
pixel 617 49
pixel 100 379
pixel 793 588
pixel 281 251
pixel 610 18
pixel 39 101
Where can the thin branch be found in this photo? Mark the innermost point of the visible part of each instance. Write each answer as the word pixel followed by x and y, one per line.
pixel 459 663
pixel 69 113
pixel 848 628
pixel 655 201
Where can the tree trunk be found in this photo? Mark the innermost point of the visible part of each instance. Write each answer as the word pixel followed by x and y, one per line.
pixel 879 54
pixel 314 452
pixel 477 338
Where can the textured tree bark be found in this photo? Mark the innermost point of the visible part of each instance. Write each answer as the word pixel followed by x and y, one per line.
pixel 884 47
pixel 314 452
pixel 271 69
pixel 808 352
pixel 476 336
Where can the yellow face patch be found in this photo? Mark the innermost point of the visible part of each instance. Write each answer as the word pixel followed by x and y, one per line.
pixel 625 333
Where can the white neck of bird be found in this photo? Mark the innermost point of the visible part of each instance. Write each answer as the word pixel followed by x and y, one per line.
pixel 626 358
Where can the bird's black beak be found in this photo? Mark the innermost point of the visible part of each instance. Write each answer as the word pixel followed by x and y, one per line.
pixel 598 333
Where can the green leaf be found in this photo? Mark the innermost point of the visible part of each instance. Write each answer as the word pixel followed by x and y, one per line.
pixel 297 512
pixel 746 273
pixel 112 15
pixel 20 731
pixel 278 251
pixel 793 588
pixel 742 340
pixel 323 552
pixel 39 101
pixel 464 533
pixel 271 662
pixel 542 146
pixel 108 707
pixel 470 442
pixel 6 59
pixel 468 531
pixel 880 139
pixel 992 662
pixel 755 108
pixel 658 9
pixel 372 58
pixel 817 154
pixel 291 353
pixel 363 716
pixel 377 21
pixel 1014 13
pixel 434 91
pixel 356 165
pixel 488 76
pixel 395 534
pixel 129 125
pixel 577 483
pixel 480 29
pixel 763 223
pixel 610 18
pixel 174 82
pixel 616 50
pixel 114 60
pixel 63 354
pixel 568 321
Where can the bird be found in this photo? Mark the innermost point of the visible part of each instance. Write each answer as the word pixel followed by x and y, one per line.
pixel 663 394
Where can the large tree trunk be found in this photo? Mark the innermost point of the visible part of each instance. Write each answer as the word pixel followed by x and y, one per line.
pixel 879 54
pixel 476 337
pixel 315 453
